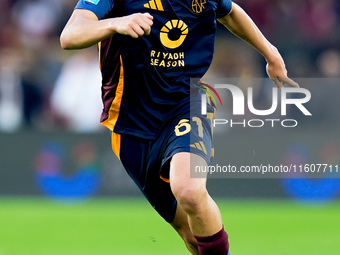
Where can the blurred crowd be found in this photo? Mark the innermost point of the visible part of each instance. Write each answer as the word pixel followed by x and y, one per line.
pixel 45 88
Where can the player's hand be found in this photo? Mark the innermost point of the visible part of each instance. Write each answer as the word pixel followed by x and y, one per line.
pixel 134 25
pixel 277 71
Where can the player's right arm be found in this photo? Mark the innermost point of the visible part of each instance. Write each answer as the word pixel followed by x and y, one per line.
pixel 84 29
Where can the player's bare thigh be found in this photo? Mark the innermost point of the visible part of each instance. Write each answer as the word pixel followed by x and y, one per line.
pixel 181 166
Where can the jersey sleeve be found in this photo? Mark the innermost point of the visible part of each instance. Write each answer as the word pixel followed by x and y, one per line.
pixel 223 8
pixel 98 7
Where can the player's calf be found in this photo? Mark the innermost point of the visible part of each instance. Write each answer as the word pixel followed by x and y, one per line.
pixel 181 225
pixel 188 238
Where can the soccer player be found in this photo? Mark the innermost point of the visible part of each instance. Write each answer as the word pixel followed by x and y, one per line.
pixel 149 50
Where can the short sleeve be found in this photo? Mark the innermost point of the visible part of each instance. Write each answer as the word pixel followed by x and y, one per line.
pixel 223 8
pixel 98 7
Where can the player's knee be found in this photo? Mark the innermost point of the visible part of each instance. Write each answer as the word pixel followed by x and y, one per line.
pixel 190 197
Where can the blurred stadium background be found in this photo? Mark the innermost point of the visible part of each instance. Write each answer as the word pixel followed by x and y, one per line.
pixel 62 191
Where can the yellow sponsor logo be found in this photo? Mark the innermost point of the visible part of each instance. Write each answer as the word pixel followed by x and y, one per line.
pixel 173 33
pixel 154 5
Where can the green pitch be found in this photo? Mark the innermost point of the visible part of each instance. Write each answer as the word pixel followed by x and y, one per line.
pixel 131 227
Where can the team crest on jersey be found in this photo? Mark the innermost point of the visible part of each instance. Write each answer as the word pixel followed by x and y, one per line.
pixel 198 6
pixel 93 1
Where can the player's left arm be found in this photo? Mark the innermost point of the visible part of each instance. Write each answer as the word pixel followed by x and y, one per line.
pixel 240 24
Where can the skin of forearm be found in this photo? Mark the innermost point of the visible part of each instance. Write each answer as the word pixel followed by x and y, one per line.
pixel 240 24
pixel 82 32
